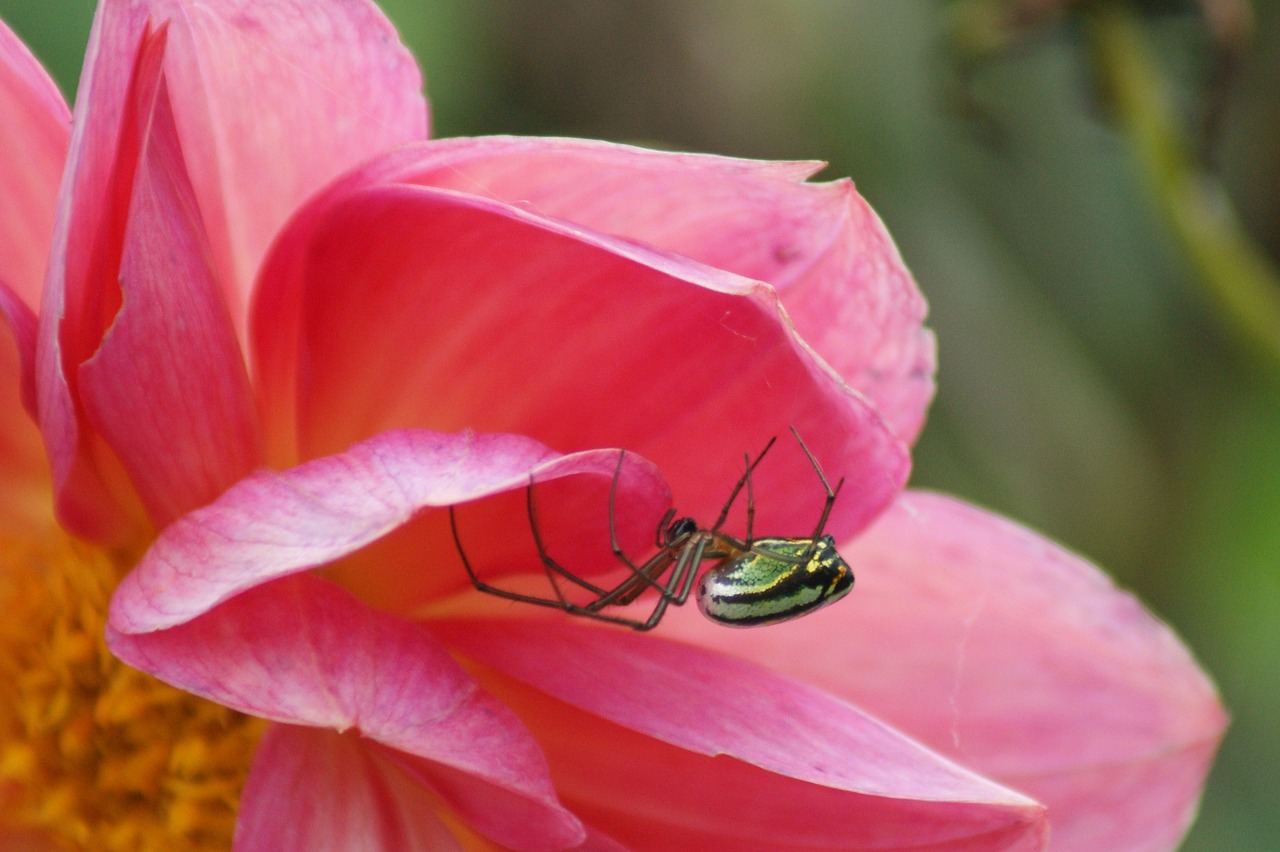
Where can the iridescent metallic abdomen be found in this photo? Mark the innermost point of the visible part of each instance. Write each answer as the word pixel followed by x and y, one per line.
pixel 777 579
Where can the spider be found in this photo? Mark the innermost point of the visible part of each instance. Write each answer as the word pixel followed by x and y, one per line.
pixel 755 581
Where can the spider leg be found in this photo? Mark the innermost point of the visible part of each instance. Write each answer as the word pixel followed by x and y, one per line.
pixel 681 581
pixel 548 564
pixel 659 532
pixel 831 493
pixel 642 576
pixel 743 480
pixel 613 526
pixel 826 509
pixel 645 577
pixel 560 604
pixel 672 570
pixel 457 541
pixel 692 556
pixel 677 588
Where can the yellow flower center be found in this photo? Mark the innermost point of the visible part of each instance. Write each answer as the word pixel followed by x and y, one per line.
pixel 94 754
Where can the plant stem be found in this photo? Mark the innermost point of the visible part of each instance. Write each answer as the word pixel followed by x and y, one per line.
pixel 1239 278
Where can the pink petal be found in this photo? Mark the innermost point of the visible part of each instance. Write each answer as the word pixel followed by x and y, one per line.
pixel 820 245
pixel 270 99
pixel 83 295
pixel 317 790
pixel 33 148
pixel 422 308
pixel 167 388
pixel 303 651
pixel 1015 658
pixel 514 820
pixel 25 494
pixel 19 367
pixel 809 770
pixel 273 98
pixel 274 524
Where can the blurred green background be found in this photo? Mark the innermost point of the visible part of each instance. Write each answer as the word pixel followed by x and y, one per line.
pixel 1090 384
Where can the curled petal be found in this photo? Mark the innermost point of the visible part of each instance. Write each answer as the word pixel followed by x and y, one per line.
pixel 33 144
pixel 423 308
pixel 808 769
pixel 1015 658
pixel 820 245
pixel 273 524
pixel 857 305
pixel 303 651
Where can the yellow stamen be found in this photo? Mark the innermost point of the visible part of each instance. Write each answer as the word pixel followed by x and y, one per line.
pixel 94 754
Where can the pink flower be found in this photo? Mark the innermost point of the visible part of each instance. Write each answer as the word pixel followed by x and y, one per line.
pixel 263 365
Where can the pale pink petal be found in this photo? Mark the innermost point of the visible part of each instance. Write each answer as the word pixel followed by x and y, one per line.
pixel 33 148
pixel 19 366
pixel 1015 658
pixel 808 769
pixel 167 388
pixel 304 651
pixel 273 98
pixel 273 524
pixel 318 790
pixel 820 245
pixel 416 307
pixel 25 485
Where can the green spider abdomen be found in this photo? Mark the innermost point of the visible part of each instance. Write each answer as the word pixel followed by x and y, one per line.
pixel 777 579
